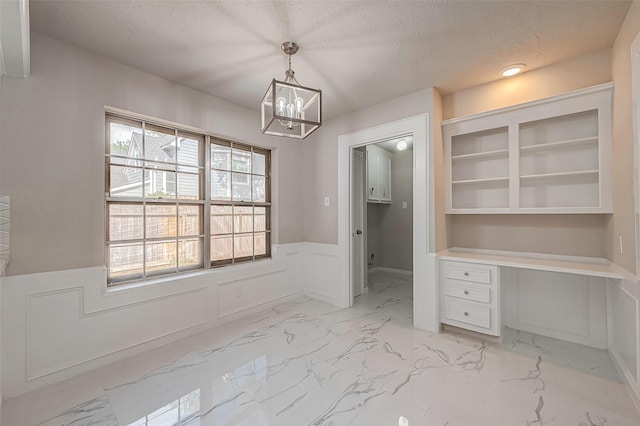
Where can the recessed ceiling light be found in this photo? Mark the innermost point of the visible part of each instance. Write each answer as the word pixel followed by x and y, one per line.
pixel 402 145
pixel 512 70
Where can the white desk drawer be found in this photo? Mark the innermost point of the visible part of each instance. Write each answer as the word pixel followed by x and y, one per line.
pixel 468 291
pixel 479 316
pixel 459 271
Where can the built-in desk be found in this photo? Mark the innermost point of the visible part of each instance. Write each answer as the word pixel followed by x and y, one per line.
pixel 595 267
pixel 557 296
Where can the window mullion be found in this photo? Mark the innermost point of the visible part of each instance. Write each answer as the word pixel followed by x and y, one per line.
pixel 206 249
pixel 144 204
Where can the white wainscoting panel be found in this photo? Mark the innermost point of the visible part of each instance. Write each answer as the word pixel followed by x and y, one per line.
pixel 321 278
pixel 623 309
pixel 242 294
pixel 564 306
pixel 67 322
pixel 56 323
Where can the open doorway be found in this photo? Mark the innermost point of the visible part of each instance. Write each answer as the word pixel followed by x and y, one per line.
pixel 425 291
pixel 382 224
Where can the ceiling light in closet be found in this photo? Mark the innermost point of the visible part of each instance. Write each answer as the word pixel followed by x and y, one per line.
pixel 402 145
pixel 512 70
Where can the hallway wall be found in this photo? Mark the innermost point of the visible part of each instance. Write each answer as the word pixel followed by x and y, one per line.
pixel 389 226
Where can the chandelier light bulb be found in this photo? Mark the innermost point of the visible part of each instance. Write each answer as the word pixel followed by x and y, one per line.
pixel 289 109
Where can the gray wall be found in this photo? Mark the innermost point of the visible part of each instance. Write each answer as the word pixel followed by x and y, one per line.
pixel 53 148
pixel 321 158
pixel 390 227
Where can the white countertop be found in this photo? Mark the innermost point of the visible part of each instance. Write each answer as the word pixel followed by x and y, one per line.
pixel 591 266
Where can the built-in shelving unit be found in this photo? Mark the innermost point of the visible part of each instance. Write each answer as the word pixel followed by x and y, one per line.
pixel 548 156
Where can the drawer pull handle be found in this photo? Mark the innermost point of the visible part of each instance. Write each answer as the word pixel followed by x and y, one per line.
pixel 466 274
pixel 466 314
pixel 466 292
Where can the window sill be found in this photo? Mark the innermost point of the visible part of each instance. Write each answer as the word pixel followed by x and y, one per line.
pixel 174 278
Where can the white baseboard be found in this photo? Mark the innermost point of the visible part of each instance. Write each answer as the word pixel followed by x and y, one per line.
pixel 626 375
pixel 392 270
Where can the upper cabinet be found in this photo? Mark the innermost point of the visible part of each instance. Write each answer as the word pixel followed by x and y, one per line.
pixel 378 175
pixel 546 156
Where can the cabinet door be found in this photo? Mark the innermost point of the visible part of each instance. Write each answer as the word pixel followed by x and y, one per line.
pixel 373 173
pixel 385 176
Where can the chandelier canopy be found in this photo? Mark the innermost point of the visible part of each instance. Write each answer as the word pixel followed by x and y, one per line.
pixel 289 109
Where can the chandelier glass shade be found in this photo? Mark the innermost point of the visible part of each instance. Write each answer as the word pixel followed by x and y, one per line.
pixel 289 109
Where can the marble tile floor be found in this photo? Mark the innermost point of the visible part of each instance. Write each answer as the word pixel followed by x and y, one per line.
pixel 309 363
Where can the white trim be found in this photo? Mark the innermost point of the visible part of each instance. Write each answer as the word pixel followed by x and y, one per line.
pixel 633 383
pixel 576 93
pixel 426 315
pixel 392 270
pixel 15 54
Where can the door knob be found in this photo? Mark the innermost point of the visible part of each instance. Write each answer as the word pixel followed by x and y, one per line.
pixel 359 232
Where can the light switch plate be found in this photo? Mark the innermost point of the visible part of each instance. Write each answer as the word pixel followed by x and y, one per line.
pixel 404 204
pixel 327 201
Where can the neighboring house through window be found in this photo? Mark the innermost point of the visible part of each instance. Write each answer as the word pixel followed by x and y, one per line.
pixel 175 198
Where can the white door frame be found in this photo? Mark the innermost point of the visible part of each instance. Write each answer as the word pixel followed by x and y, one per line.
pixel 634 291
pixel 361 200
pixel 425 292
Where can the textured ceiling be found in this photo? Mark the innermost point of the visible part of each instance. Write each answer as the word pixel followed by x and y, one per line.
pixel 358 52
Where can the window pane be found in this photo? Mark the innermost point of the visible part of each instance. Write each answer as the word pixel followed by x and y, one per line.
pixel 221 248
pixel 220 157
pixel 189 150
pixel 125 181
pixel 125 222
pixel 241 187
pixel 159 184
pixel 260 220
pixel 160 256
pixel 220 185
pixel 243 246
pixel 221 220
pixel 241 160
pixel 242 219
pixel 125 260
pixel 188 186
pixel 161 221
pixel 159 144
pixel 261 239
pixel 125 139
pixel 259 163
pixel 189 253
pixel 189 222
pixel 259 193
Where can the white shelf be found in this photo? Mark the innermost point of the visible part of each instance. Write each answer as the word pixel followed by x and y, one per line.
pixel 561 174
pixel 484 180
pixel 479 155
pixel 590 266
pixel 552 156
pixel 560 144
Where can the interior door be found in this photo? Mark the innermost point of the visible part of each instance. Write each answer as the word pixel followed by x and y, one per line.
pixel 357 222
